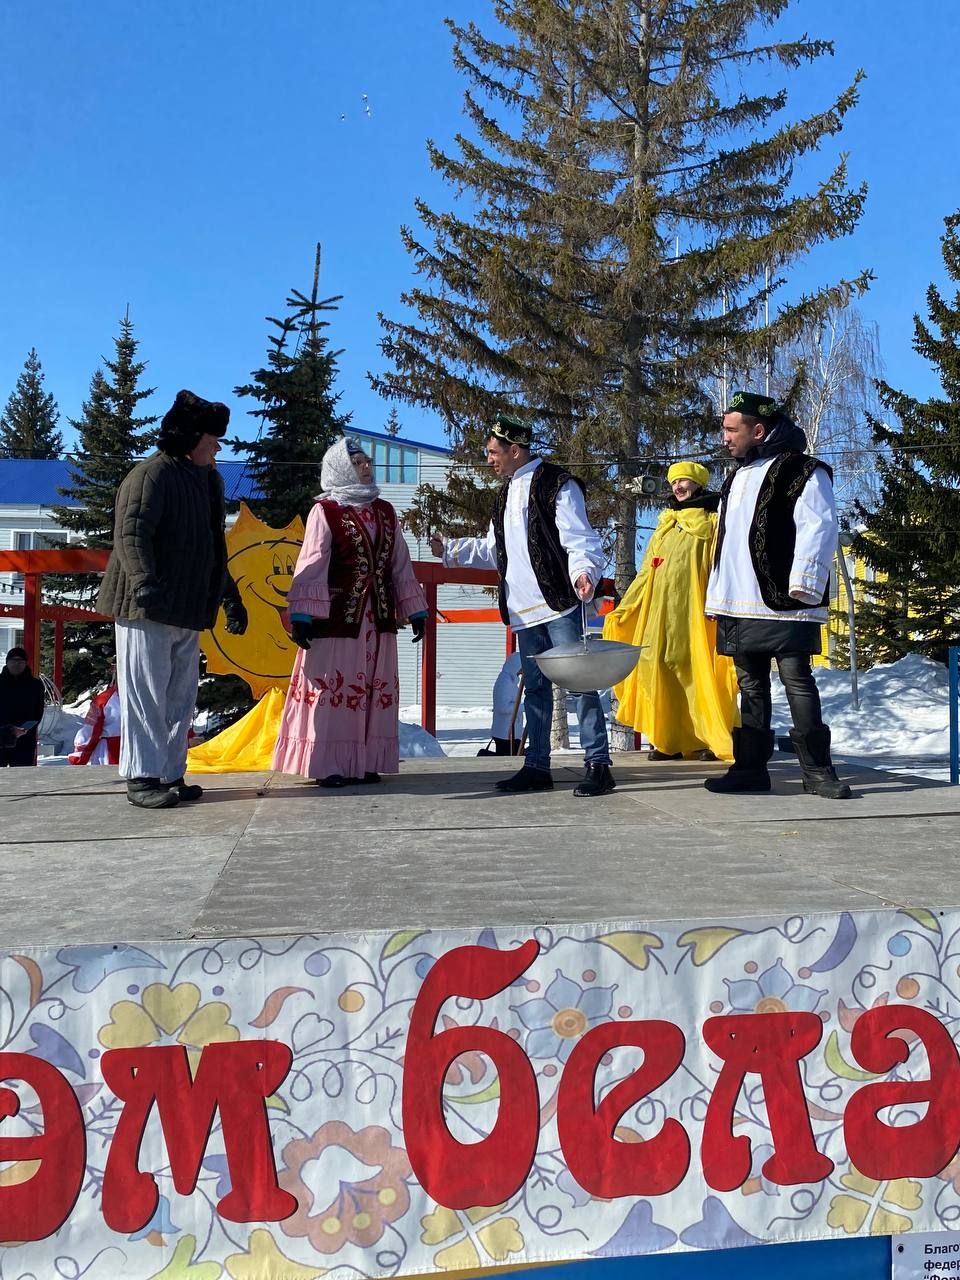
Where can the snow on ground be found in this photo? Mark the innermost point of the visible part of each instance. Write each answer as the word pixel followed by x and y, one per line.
pixel 902 724
pixel 415 742
pixel 903 721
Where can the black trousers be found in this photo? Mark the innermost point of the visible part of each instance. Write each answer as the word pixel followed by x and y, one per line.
pixel 753 676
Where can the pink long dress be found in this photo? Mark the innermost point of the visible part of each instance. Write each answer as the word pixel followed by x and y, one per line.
pixel 341 713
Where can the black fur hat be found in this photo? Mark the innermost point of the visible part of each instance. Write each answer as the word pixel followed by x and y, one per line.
pixel 189 418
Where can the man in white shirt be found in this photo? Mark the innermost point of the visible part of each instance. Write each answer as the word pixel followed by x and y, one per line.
pixel 549 560
pixel 769 589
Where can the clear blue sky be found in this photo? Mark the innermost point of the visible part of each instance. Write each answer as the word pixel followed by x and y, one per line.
pixel 185 157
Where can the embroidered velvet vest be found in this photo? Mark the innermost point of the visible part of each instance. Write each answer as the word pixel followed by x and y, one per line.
pixel 360 569
pixel 547 554
pixel 773 531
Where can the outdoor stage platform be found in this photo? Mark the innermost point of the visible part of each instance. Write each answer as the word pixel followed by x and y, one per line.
pixel 438 846
pixel 426 1028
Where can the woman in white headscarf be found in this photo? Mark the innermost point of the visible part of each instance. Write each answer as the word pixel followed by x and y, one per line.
pixel 353 586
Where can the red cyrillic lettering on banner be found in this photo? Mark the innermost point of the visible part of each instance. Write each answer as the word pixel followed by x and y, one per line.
pixel 234 1078
pixel 769 1045
pixel 40 1205
pixel 604 1166
pixel 461 1175
pixel 917 1150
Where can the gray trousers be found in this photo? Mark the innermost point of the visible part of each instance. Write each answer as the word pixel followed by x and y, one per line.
pixel 158 670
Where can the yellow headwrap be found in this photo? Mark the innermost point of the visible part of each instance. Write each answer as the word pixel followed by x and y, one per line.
pixel 694 471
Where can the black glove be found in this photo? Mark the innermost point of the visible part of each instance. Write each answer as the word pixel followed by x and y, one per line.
pixel 235 611
pixel 419 627
pixel 300 633
pixel 149 595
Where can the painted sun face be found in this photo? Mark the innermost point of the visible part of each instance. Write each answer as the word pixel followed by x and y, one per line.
pixel 261 562
pixel 266 570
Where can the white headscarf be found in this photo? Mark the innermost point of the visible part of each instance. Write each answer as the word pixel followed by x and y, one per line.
pixel 339 478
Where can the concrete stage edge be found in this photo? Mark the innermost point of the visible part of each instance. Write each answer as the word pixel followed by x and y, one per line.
pixel 437 845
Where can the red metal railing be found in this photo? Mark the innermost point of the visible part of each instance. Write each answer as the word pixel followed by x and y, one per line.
pixel 34 565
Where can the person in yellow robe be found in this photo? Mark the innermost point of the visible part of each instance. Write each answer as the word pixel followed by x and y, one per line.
pixel 681 695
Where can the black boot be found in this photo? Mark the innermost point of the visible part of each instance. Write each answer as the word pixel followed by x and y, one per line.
pixel 597 781
pixel 819 776
pixel 151 793
pixel 185 790
pixel 654 754
pixel 527 779
pixel 752 748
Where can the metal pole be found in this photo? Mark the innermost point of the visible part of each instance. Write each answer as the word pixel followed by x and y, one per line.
pixel 58 630
pixel 428 660
pixel 954 668
pixel 766 324
pixel 852 626
pixel 31 619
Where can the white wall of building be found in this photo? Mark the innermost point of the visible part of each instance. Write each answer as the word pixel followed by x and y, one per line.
pixel 469 655
pixel 23 527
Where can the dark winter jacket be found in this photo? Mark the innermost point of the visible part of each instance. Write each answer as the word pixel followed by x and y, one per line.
pixel 169 556
pixel 21 697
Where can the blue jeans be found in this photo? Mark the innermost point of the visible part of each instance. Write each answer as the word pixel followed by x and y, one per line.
pixel 538 696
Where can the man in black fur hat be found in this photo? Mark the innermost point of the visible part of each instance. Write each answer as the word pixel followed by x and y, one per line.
pixel 769 589
pixel 163 585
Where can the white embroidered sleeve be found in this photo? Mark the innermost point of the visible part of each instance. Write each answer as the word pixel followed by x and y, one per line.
pixel 471 553
pixel 577 536
pixel 816 520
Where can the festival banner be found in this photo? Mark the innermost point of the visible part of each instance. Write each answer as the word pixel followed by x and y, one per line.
pixel 446 1100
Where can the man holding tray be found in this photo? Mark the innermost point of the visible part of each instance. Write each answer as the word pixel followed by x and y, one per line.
pixel 549 559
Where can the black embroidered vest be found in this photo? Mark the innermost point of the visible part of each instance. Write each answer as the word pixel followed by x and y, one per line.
pixel 547 555
pixel 773 532
pixel 360 570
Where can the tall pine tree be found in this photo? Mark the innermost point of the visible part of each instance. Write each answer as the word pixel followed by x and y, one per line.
pixel 911 537
pixel 112 433
pixel 28 427
pixel 297 409
pixel 630 205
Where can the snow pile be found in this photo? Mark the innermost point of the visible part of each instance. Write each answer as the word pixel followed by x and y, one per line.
pixel 451 716
pixel 415 741
pixel 904 709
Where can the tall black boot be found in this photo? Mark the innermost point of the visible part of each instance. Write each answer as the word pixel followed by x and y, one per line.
pixel 819 776
pixel 752 748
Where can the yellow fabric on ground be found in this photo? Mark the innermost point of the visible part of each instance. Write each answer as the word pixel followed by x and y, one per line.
pixel 247 746
pixel 681 695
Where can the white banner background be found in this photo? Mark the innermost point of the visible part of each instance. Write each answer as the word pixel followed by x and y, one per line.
pixel 342 1002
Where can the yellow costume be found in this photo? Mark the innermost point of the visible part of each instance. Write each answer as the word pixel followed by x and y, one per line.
pixel 681 695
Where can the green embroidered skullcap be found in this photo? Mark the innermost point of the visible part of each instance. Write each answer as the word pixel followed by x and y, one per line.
pixel 756 406
pixel 512 430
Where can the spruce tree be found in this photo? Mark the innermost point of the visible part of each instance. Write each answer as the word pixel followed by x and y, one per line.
pixel 630 206
pixel 911 537
pixel 112 434
pixel 297 409
pixel 28 427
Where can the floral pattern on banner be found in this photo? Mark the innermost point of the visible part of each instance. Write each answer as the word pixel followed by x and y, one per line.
pixel 342 1003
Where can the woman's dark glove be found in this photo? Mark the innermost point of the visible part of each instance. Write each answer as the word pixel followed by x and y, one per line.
pixel 235 612
pixel 419 627
pixel 300 633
